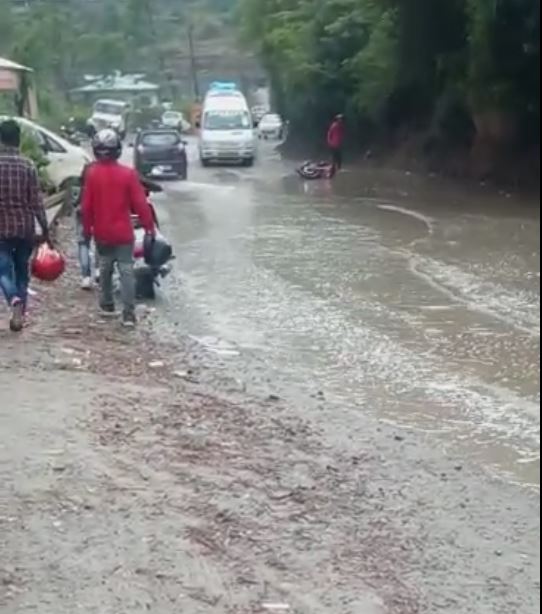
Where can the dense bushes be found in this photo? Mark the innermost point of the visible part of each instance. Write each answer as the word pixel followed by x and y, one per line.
pixel 444 66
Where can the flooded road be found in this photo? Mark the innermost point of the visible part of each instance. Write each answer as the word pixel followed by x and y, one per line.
pixel 405 300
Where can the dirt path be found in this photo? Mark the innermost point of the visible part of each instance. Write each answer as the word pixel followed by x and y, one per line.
pixel 128 485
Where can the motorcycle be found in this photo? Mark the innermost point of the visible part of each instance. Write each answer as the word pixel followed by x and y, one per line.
pixel 72 134
pixel 317 170
pixel 152 255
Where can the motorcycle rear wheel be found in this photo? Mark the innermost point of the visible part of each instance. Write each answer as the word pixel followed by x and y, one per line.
pixel 145 286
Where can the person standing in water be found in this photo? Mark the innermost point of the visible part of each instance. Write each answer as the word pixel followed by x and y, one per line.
pixel 335 141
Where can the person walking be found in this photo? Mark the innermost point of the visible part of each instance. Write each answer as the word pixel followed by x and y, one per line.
pixel 21 204
pixel 85 251
pixel 335 141
pixel 113 192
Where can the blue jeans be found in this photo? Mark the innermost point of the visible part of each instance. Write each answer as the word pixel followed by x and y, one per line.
pixel 84 249
pixel 123 257
pixel 14 268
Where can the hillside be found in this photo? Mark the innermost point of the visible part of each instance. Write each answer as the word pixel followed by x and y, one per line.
pixel 65 39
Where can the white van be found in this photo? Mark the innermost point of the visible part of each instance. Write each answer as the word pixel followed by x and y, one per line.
pixel 226 132
pixel 109 114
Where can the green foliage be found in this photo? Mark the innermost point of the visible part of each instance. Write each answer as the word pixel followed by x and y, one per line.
pixel 397 61
pixel 6 26
pixel 504 54
pixel 63 40
pixel 375 67
pixel 31 149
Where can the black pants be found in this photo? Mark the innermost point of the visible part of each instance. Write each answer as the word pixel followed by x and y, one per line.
pixel 337 157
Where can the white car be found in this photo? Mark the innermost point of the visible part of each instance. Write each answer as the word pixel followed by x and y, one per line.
pixel 66 161
pixel 174 119
pixel 271 127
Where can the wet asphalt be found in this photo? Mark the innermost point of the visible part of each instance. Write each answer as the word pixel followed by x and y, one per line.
pixel 409 299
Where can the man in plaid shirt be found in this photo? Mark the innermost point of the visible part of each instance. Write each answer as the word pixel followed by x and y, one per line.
pixel 21 204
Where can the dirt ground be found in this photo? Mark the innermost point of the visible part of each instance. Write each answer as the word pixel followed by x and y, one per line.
pixel 133 480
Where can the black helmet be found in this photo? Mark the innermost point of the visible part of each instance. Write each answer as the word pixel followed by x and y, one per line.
pixel 157 252
pixel 107 145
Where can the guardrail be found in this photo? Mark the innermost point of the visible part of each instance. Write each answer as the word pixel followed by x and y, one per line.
pixel 55 199
pixel 56 206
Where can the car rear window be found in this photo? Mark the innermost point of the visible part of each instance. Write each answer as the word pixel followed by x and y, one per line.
pixel 162 139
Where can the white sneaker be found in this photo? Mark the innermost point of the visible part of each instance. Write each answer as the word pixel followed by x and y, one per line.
pixel 86 283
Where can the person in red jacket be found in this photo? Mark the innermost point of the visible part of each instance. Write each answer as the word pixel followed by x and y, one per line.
pixel 112 193
pixel 335 141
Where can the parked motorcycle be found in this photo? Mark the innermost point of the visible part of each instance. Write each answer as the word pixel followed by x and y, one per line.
pixel 153 255
pixel 70 132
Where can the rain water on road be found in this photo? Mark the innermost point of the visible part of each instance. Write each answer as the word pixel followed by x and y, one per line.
pixel 405 299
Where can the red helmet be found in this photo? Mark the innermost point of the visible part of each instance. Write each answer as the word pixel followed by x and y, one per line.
pixel 48 264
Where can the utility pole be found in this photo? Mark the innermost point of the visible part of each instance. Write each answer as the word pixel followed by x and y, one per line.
pixel 193 63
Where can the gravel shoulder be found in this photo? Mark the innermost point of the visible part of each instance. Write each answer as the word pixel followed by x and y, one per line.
pixel 133 480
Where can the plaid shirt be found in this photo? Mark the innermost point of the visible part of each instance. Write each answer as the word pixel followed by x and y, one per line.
pixel 21 201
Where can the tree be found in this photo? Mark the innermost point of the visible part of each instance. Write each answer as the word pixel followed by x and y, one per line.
pixel 6 26
pixel 102 53
pixel 397 62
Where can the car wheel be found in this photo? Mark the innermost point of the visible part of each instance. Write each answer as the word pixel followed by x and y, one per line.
pixel 248 162
pixel 205 163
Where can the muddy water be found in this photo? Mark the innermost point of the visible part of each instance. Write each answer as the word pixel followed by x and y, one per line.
pixel 407 299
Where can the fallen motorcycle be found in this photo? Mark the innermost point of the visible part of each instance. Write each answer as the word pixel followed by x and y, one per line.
pixel 317 170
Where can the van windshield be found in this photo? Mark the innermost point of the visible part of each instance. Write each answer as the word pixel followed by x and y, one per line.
pixel 108 108
pixel 226 120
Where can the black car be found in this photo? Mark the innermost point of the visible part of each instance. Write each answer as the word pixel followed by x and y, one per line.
pixel 160 152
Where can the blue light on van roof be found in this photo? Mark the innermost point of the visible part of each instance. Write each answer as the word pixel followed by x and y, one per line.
pixel 223 86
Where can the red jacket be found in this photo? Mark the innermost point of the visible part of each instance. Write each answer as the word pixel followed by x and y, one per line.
pixel 335 135
pixel 112 193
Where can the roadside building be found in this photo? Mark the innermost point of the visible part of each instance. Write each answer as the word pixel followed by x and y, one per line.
pixel 129 88
pixel 17 88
